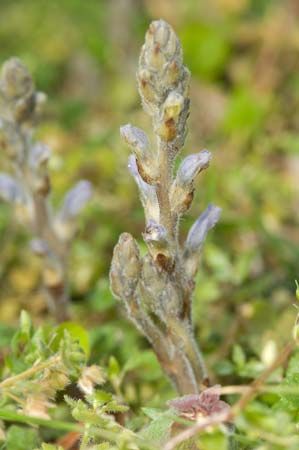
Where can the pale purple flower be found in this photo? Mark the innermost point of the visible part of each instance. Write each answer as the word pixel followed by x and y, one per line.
pixel 134 136
pixel 76 199
pixel 154 232
pixel 39 155
pixel 191 166
pixel 39 246
pixel 10 190
pixel 146 190
pixel 200 228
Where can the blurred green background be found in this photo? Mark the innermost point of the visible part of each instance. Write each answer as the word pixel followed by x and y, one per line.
pixel 244 58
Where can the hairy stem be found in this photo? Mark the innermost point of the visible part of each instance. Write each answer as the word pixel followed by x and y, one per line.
pixel 29 372
pixel 56 288
pixel 184 339
pixel 162 189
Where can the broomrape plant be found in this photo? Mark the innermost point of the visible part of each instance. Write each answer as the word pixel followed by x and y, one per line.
pixel 156 289
pixel 46 368
pixel 29 188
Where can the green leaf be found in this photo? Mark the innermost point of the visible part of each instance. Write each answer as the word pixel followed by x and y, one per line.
pixel 103 446
pixel 224 367
pixel 153 413
pixel 76 332
pixel 12 416
pixel 147 362
pixel 21 438
pixel 113 368
pixel 291 401
pixel 101 397
pixel 238 356
pixel 158 431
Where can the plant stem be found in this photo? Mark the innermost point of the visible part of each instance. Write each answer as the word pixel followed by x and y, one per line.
pixel 11 416
pixel 57 292
pixel 29 372
pixel 162 188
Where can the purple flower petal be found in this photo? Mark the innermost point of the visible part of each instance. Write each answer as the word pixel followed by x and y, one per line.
pixel 200 228
pixel 76 199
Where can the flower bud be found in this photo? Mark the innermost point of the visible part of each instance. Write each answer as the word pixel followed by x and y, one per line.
pixel 200 228
pixel 173 105
pixel 16 81
pixel 147 192
pixel 161 38
pixel 154 57
pixel 10 140
pixel 125 267
pixel 147 91
pixel 24 108
pixel 152 287
pixel 138 141
pixel 160 66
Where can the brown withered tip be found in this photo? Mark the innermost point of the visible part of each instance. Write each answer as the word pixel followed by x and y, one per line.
pixel 157 48
pixel 188 200
pixel 144 174
pixel 167 131
pixel 164 262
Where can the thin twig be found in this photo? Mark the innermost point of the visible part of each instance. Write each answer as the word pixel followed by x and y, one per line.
pixel 248 393
pixel 253 389
pixel 29 372
pixel 204 423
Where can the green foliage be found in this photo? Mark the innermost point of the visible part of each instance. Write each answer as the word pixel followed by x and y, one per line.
pixel 212 441
pixel 290 401
pixel 96 415
pixel 21 438
pixel 159 429
pixel 76 332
